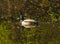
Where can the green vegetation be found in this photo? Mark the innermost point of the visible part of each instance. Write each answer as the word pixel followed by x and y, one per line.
pixel 40 10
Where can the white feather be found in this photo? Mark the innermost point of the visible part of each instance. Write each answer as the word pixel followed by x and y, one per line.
pixel 27 23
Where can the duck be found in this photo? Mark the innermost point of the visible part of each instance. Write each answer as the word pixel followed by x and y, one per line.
pixel 27 22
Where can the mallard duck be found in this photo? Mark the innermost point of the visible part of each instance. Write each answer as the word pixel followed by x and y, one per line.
pixel 27 23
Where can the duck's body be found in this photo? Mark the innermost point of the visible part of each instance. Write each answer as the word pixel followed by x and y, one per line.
pixel 29 23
